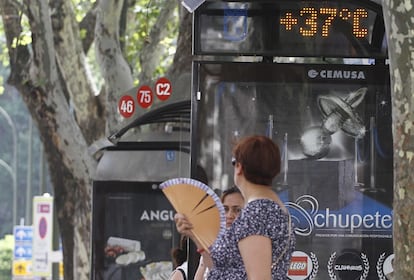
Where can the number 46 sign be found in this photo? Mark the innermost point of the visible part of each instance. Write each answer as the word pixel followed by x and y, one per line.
pixel 126 106
pixel 162 88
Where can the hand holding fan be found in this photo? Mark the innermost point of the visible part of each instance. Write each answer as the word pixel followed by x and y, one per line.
pixel 200 204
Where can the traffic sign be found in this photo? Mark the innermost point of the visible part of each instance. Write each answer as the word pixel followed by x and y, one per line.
pixel 23 233
pixel 23 242
pixel 145 96
pixel 22 268
pixel 163 89
pixel 126 106
pixel 42 235
pixel 23 251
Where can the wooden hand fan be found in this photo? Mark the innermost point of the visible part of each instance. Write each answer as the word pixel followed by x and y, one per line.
pixel 200 204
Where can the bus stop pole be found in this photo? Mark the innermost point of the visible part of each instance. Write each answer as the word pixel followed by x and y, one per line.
pixel 55 245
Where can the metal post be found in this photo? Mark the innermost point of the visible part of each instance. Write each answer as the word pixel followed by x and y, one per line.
pixel 356 155
pixel 29 175
pixel 372 158
pixel 271 124
pixel 42 172
pixel 285 159
pixel 55 242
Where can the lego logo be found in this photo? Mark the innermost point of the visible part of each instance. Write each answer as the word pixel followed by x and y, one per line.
pixel 302 266
pixel 298 266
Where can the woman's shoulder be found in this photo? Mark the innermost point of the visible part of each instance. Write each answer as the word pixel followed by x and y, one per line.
pixel 260 217
pixel 265 209
pixel 180 272
pixel 264 203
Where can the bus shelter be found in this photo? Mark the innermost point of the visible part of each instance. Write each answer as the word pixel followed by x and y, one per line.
pixel 133 229
pixel 313 76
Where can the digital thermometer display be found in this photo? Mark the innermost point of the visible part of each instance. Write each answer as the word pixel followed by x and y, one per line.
pixel 290 28
pixel 313 21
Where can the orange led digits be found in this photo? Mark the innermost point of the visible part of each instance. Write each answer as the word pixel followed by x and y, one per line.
pixel 331 12
pixel 310 19
pixel 357 30
pixel 288 21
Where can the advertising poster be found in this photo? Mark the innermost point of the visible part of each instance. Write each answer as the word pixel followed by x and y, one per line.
pixel 134 231
pixel 333 126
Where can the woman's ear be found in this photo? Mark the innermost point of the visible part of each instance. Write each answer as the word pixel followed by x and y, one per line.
pixel 238 169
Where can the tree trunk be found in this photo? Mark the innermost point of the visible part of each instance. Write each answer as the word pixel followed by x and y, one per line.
pixel 399 27
pixel 38 77
pixel 71 168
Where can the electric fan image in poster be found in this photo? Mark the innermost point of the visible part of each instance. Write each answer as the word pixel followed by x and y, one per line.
pixel 200 204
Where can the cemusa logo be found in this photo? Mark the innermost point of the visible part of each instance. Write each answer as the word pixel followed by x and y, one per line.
pixel 302 266
pixel 336 74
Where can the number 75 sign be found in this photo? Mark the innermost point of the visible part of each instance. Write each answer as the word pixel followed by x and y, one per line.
pixel 162 89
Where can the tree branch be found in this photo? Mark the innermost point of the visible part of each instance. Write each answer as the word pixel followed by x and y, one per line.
pixel 149 56
pixel 115 70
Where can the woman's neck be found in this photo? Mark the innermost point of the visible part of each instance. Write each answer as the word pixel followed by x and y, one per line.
pixel 253 192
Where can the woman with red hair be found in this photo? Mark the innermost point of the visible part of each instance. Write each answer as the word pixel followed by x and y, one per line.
pixel 260 242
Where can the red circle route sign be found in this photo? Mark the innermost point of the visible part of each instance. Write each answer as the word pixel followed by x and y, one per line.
pixel 145 96
pixel 126 106
pixel 163 89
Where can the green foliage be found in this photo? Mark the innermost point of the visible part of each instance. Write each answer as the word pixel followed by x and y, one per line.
pixel 81 7
pixel 4 54
pixel 1 85
pixel 23 40
pixel 6 256
pixel 141 18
